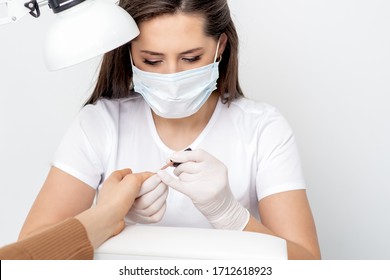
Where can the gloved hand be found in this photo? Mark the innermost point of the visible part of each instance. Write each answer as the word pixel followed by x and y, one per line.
pixel 150 205
pixel 204 179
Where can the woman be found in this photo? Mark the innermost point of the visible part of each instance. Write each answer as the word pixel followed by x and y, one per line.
pixel 176 86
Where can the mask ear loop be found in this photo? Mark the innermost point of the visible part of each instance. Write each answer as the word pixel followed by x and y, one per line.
pixel 132 66
pixel 131 59
pixel 216 52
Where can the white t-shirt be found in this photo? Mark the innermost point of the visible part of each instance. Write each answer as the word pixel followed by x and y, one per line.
pixel 252 139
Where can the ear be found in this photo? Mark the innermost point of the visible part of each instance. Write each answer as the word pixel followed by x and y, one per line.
pixel 222 44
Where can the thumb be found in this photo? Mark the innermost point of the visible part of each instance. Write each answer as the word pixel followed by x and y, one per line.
pixel 119 227
pixel 118 175
pixel 185 156
pixel 170 180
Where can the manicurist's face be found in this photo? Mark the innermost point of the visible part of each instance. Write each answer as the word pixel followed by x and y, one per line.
pixel 173 43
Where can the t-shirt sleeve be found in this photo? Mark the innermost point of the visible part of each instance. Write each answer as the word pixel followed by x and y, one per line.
pixel 279 162
pixel 82 150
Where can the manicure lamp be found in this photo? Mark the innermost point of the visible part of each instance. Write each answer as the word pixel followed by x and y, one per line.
pixel 81 30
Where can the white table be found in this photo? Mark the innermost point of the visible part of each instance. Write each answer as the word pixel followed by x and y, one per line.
pixel 153 242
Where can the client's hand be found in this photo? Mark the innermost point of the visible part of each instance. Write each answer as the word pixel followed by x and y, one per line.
pixel 114 201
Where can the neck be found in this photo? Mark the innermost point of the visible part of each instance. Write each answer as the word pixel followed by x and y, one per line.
pixel 178 134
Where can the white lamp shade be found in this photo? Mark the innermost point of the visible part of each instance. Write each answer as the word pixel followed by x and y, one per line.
pixel 85 31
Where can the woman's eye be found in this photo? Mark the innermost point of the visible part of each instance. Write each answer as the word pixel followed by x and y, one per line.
pixel 191 59
pixel 151 62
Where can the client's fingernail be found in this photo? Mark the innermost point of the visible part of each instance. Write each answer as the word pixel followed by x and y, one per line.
pixel 167 165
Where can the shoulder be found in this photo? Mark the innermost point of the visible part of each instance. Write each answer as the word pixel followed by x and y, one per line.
pixel 111 106
pixel 251 111
pixel 258 120
pixel 250 106
pixel 108 111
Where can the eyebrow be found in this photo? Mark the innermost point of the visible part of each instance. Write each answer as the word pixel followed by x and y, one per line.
pixel 161 54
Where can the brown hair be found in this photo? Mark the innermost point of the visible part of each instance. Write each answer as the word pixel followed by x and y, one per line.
pixel 115 75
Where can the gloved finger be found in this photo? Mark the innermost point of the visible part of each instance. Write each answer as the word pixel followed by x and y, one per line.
pixel 185 156
pixel 171 181
pixel 128 220
pixel 187 177
pixel 149 184
pixel 187 167
pixel 149 198
pixel 143 206
pixel 153 208
pixel 137 218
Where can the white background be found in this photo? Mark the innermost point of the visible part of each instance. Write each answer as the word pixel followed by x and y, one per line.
pixel 324 64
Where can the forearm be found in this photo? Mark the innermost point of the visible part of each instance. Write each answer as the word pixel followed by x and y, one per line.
pixel 295 251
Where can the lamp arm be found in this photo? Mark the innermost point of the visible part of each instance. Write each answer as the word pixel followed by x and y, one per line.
pixel 16 9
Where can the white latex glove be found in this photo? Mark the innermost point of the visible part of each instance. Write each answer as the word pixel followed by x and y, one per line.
pixel 204 179
pixel 150 205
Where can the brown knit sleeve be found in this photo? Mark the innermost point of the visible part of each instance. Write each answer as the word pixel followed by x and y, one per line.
pixel 65 241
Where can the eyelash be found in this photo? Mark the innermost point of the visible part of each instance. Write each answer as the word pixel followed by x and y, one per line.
pixel 191 59
pixel 150 62
pixel 186 59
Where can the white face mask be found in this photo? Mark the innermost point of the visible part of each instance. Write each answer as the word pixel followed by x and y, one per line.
pixel 177 95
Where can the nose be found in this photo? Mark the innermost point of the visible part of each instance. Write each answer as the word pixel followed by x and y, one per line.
pixel 171 67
